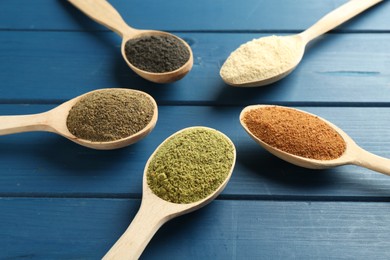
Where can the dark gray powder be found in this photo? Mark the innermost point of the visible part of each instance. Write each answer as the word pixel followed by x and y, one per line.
pixel 158 54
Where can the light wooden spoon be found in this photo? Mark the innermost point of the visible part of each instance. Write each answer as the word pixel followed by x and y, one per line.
pixel 55 121
pixel 353 153
pixel 154 212
pixel 327 23
pixel 102 12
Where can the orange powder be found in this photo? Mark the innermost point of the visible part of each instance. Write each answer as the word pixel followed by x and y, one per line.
pixel 295 132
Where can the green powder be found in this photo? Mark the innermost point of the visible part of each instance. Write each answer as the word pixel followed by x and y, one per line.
pixel 110 114
pixel 190 165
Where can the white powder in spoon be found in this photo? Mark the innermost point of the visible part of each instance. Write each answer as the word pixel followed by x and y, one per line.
pixel 261 59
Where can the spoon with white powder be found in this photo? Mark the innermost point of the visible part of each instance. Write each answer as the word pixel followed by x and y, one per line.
pixel 266 60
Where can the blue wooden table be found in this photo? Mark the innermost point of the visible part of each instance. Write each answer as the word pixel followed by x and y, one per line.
pixel 59 200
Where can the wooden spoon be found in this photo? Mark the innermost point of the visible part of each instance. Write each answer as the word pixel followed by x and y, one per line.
pixel 353 154
pixel 154 212
pixel 55 121
pixel 102 12
pixel 327 23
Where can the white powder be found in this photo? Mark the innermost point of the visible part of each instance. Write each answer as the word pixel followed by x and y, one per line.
pixel 261 59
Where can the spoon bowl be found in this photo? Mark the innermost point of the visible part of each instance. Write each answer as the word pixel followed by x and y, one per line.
pixel 353 154
pixel 299 49
pixel 246 74
pixel 163 77
pixel 55 121
pixel 154 212
pixel 102 12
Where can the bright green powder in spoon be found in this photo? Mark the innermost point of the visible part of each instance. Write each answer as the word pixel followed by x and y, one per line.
pixel 190 165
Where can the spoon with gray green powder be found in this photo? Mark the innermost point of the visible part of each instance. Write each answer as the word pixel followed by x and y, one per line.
pixel 157 56
pixel 102 119
pixel 187 171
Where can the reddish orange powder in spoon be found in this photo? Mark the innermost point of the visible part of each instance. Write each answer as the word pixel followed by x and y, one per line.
pixel 295 132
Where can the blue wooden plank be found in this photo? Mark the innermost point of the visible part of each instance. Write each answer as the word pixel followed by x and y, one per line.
pixel 43 164
pixel 86 228
pixel 62 201
pixel 338 68
pixel 179 15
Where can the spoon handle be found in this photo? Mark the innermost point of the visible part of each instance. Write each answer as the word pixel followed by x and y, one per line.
pixel 23 123
pixel 102 12
pixel 337 17
pixel 141 230
pixel 372 161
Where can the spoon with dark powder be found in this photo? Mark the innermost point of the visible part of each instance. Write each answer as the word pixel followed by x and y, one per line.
pixel 157 56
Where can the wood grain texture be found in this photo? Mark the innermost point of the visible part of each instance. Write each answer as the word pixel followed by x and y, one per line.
pixel 342 68
pixel 28 165
pixel 188 15
pixel 59 200
pixel 41 228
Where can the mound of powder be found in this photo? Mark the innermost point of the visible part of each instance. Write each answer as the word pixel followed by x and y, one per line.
pixel 110 114
pixel 295 132
pixel 190 165
pixel 158 54
pixel 260 59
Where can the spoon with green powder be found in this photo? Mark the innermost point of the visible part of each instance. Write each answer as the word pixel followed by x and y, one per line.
pixel 266 60
pixel 101 119
pixel 157 56
pixel 187 171
pixel 305 139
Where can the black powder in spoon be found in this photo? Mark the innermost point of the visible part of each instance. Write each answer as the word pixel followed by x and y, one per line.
pixel 157 54
pixel 109 115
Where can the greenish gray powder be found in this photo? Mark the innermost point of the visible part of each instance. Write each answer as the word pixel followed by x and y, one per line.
pixel 110 114
pixel 190 165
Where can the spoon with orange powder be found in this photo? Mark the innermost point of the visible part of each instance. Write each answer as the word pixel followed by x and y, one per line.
pixel 305 139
